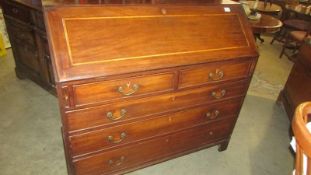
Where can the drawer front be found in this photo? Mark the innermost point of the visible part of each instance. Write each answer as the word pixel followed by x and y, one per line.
pixel 133 109
pixel 143 129
pixel 214 72
pixel 127 87
pixel 152 150
pixel 17 11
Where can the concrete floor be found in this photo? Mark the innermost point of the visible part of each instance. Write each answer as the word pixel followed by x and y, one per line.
pixel 30 140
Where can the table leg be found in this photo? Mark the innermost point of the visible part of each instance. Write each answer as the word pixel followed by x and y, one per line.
pixel 257 36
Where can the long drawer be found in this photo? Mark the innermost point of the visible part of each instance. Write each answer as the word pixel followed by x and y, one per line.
pixel 151 150
pixel 133 109
pixel 150 127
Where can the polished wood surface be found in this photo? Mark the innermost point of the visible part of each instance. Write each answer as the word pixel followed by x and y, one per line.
pixel 217 72
pixel 303 138
pixel 298 86
pixel 111 162
pixel 38 4
pixel 98 117
pixel 170 47
pixel 122 135
pixel 149 78
pixel 266 24
pixel 102 92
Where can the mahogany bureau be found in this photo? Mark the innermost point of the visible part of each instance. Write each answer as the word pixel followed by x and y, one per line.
pixel 141 84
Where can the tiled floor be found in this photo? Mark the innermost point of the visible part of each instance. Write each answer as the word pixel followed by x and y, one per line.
pixel 30 140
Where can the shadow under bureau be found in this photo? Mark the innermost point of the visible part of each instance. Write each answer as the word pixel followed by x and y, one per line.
pixel 141 84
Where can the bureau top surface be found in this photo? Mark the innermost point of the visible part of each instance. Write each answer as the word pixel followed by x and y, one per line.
pixel 38 4
pixel 93 41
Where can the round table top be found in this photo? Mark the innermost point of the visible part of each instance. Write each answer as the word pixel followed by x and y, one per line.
pixel 266 24
pixel 268 8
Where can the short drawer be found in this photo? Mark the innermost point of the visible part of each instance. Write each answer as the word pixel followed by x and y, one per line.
pixel 214 72
pixel 104 91
pixel 150 127
pixel 155 105
pixel 17 12
pixel 152 150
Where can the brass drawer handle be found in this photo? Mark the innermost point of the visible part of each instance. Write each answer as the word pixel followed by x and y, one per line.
pixel 163 11
pixel 219 94
pixel 111 139
pixel 110 115
pixel 66 97
pixel 217 75
pixel 117 162
pixel 211 133
pixel 212 115
pixel 131 89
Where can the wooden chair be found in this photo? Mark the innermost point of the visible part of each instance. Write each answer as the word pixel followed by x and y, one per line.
pixel 294 40
pixel 303 138
pixel 292 21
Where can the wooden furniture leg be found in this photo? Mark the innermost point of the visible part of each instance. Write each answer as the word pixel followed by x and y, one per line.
pixel 257 36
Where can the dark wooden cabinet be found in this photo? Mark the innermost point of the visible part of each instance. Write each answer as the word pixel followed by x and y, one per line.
pixel 151 83
pixel 298 86
pixel 26 30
